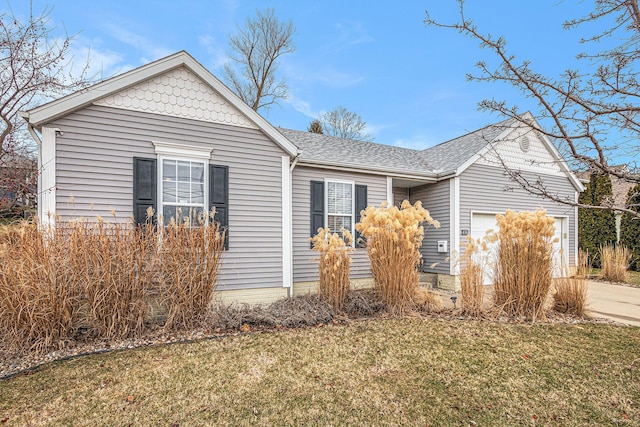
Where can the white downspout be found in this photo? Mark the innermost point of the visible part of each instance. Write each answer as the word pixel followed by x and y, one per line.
pixel 38 141
pixel 291 167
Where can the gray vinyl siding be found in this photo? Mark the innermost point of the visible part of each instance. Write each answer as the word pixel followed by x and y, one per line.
pixel 94 174
pixel 305 267
pixel 486 189
pixel 436 199
pixel 400 195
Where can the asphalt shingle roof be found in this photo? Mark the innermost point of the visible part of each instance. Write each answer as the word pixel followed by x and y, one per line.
pixel 332 150
pixel 444 157
pixel 450 155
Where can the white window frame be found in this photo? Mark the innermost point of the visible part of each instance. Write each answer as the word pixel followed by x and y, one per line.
pixel 353 203
pixel 182 152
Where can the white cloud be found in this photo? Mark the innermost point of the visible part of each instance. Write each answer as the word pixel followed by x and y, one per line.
pixel 147 48
pixel 217 56
pixel 302 106
pixel 349 34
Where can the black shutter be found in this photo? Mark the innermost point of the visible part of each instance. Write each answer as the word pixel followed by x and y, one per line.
pixel 144 188
pixel 317 207
pixel 361 204
pixel 219 197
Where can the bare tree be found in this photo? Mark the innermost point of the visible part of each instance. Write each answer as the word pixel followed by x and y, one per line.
pixel 256 51
pixel 592 112
pixel 33 67
pixel 344 124
pixel 315 126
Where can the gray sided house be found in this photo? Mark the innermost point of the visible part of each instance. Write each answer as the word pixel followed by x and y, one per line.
pixel 170 135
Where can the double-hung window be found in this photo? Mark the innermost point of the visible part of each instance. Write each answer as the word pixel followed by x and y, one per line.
pixel 183 189
pixel 340 205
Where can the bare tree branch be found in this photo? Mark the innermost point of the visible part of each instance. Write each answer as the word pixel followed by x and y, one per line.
pixel 256 51
pixel 343 123
pixel 593 111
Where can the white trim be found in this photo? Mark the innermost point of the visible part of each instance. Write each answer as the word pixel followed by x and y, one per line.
pixel 82 98
pixel 454 226
pixel 346 167
pixel 545 141
pixel 47 177
pixel 287 243
pixel 575 235
pixel 390 190
pixel 353 203
pixel 182 150
pixel 160 166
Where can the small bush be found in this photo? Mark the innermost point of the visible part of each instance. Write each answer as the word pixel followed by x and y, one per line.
pixel 615 262
pixel 307 310
pixel 394 237
pixel 363 302
pixel 188 263
pixel 570 294
pixel 426 300
pixel 471 278
pixel 334 265
pixel 524 261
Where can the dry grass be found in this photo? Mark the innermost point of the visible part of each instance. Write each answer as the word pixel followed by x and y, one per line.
pixel 100 276
pixel 189 263
pixel 471 279
pixel 333 265
pixel 408 371
pixel 39 290
pixel 394 237
pixel 583 269
pixel 615 262
pixel 524 259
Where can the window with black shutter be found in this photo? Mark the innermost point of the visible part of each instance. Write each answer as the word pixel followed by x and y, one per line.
pixel 144 188
pixel 219 197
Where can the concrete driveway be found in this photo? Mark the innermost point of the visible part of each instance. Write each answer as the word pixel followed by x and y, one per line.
pixel 619 303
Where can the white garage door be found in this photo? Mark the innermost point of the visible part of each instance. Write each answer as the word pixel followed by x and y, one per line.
pixel 481 223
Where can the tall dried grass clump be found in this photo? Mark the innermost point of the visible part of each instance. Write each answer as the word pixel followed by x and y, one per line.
pixel 394 236
pixel 40 290
pixel 100 275
pixel 471 277
pixel 334 265
pixel 570 294
pixel 583 269
pixel 524 261
pixel 118 261
pixel 189 264
pixel 615 262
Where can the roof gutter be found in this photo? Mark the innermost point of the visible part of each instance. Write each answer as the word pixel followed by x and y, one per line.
pixel 397 173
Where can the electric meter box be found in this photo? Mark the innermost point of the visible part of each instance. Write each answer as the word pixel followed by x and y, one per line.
pixel 443 246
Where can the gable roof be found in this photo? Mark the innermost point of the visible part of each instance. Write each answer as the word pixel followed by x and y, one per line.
pixel 320 149
pixel 452 154
pixel 82 98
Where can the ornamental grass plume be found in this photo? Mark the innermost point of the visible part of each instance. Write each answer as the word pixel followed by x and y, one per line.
pixel 472 263
pixel 615 262
pixel 570 293
pixel 394 237
pixel 334 265
pixel 524 261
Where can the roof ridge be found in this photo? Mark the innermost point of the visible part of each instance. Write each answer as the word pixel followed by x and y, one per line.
pixel 468 133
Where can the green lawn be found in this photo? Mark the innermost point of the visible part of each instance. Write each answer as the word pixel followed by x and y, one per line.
pixel 409 371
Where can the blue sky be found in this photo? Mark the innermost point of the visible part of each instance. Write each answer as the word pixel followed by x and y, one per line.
pixel 375 58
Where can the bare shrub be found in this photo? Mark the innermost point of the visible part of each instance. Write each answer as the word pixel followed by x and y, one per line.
pixel 333 265
pixel 394 237
pixel 471 277
pixel 39 290
pixel 524 261
pixel 306 310
pixel 615 262
pixel 363 302
pixel 188 264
